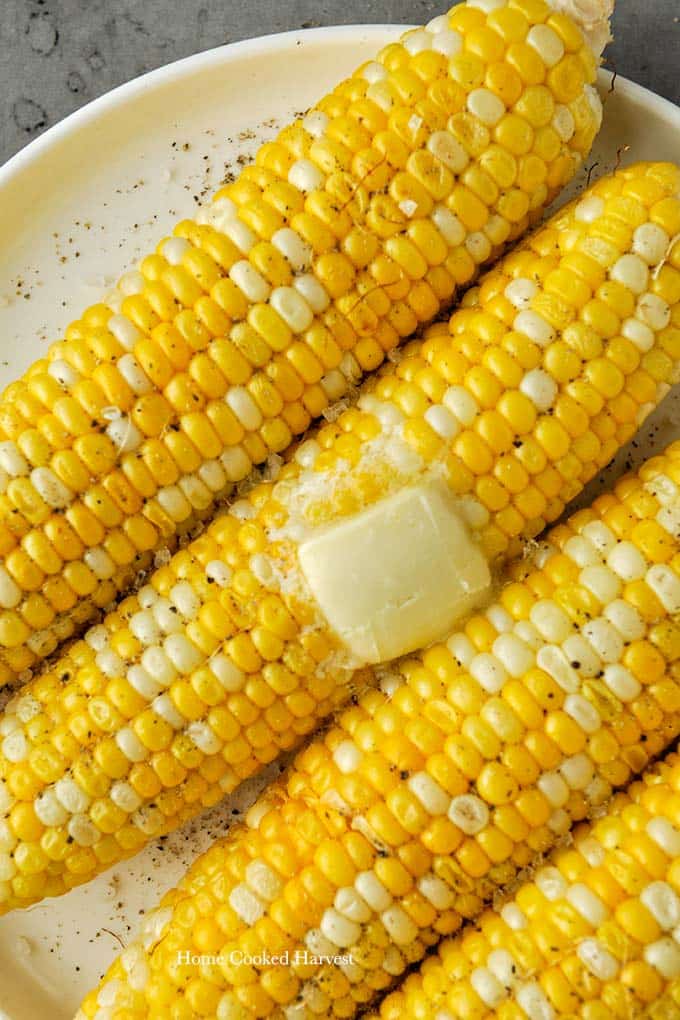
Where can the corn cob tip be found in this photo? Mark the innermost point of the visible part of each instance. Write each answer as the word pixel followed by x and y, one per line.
pixel 592 17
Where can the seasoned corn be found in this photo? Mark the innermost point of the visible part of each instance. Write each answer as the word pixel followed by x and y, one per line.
pixel 356 225
pixel 594 936
pixel 435 790
pixel 225 658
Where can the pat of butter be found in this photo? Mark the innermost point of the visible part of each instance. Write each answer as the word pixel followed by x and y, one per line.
pixel 397 575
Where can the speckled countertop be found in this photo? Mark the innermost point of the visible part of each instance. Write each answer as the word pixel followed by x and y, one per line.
pixel 56 55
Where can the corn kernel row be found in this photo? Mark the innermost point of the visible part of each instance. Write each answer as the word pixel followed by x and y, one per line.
pixel 594 936
pixel 431 793
pixel 223 660
pixel 354 226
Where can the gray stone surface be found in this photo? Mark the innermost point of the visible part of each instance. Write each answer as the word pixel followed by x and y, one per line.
pixel 56 55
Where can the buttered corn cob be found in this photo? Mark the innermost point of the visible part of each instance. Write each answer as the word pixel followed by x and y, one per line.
pixel 595 935
pixel 434 791
pixel 354 226
pixel 230 654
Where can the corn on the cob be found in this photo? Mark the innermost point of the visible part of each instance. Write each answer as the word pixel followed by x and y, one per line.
pixel 594 936
pixel 356 225
pixel 430 794
pixel 225 659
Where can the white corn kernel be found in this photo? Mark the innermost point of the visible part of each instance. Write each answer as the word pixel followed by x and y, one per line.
pixel 158 666
pixel 600 536
pixel 485 106
pixel 442 421
pixel 315 123
pixel 621 682
pixel 554 789
pixel 338 929
pixel 124 331
pixel 602 582
pixel 577 771
pixel 583 713
pixel 172 500
pixel 514 654
pixel 204 737
pixel 184 655
pixel 124 434
pixel 488 987
pixel 305 175
pixel 563 123
pixel 438 892
pixel 587 904
pixel 185 600
pixel 246 904
pixel 249 281
pixel 551 883
pixel 399 926
pixel 550 621
pixel 478 246
pixel 651 243
pixel 10 592
pixel 218 572
pixel 547 44
pixel 632 272
pixel 604 638
pixel 665 835
pixel 263 880
pixel 589 209
pixel 626 619
pixel 296 251
pixel 50 488
pixel 469 813
pixel 461 649
pixel 462 404
pixel 664 956
pixel 447 42
pixel 416 41
pixel 597 959
pixel 244 407
pixel 373 72
pixel 65 375
pixel 236 463
pixel 313 292
pixel 70 796
pixel 239 234
pixel 371 889
pixel 514 918
pixel 165 708
pixel 125 797
pixel 663 904
pixel 540 388
pixel 552 659
pixel 653 311
pixel 229 675
pixel 626 560
pixel 83 830
pixel 100 563
pixel 665 584
pixel 292 308
pixel 639 334
pixel 347 757
pixel 448 224
pixel 434 799
pixel 534 1003
pixel 352 906
pixel 488 672
pixel 173 250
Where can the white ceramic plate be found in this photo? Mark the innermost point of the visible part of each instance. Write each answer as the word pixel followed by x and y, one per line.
pixel 80 204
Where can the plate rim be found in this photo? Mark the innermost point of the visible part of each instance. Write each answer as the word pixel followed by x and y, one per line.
pixel 255 47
